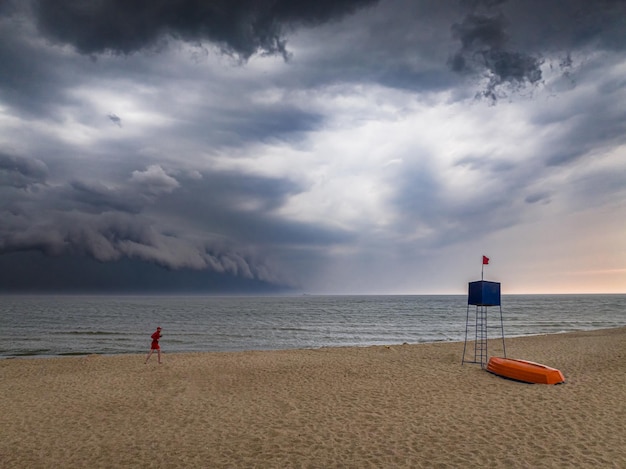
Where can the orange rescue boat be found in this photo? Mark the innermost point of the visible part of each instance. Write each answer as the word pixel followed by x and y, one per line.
pixel 525 371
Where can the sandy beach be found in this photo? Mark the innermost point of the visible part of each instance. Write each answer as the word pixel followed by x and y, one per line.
pixel 402 406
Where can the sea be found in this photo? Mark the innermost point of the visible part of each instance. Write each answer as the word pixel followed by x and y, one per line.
pixel 41 326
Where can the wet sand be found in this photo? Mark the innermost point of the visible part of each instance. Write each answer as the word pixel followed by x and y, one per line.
pixel 402 406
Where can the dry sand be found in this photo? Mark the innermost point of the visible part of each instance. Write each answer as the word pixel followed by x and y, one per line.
pixel 379 407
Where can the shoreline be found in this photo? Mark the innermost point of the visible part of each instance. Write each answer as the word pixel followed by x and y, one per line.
pixel 164 352
pixel 402 406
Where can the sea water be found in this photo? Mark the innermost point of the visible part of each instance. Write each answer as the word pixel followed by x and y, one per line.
pixel 43 326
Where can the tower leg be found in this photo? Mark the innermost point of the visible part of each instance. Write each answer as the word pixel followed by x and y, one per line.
pixel 466 331
pixel 502 330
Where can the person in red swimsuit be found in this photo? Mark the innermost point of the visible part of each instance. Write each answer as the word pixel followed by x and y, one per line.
pixel 155 345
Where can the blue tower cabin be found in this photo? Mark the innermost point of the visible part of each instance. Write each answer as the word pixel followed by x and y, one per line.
pixel 483 293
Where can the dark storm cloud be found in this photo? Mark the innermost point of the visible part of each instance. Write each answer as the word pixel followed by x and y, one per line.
pixel 484 46
pixel 112 236
pixel 507 41
pixel 229 213
pixel 33 272
pixel 240 27
pixel 41 79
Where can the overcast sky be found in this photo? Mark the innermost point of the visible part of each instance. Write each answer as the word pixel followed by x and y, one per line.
pixel 321 146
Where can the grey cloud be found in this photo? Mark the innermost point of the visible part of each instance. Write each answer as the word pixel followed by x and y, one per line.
pixel 242 207
pixel 21 172
pixel 20 233
pixel 473 4
pixel 538 197
pixel 478 33
pixel 415 44
pixel 95 197
pixel 486 164
pixel 575 24
pixel 133 195
pixel 240 27
pixel 586 126
pixel 257 123
pixel 428 211
pixel 400 44
pixel 154 180
pixel 30 74
pixel 115 119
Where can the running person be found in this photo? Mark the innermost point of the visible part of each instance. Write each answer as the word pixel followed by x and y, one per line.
pixel 155 345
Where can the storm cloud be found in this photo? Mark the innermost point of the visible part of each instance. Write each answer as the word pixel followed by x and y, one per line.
pixel 311 146
pixel 483 45
pixel 240 27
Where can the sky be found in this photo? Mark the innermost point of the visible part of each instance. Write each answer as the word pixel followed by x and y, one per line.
pixel 320 147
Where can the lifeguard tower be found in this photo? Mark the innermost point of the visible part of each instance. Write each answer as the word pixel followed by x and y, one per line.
pixel 483 295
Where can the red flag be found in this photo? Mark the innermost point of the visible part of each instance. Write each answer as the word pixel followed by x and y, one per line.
pixel 485 260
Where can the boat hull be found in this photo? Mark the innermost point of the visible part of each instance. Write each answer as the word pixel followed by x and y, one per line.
pixel 525 371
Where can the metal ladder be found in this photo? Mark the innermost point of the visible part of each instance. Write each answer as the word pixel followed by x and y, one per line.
pixel 480 328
